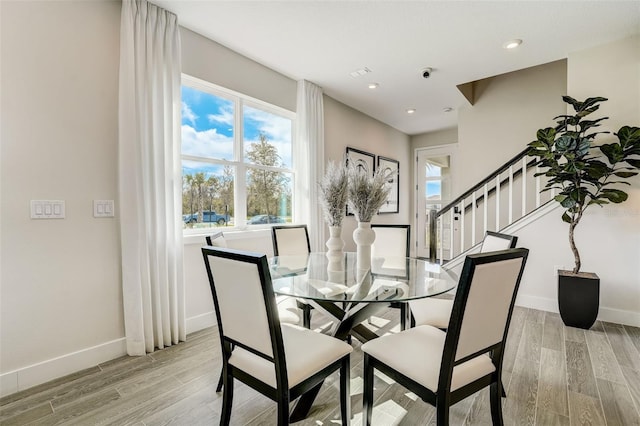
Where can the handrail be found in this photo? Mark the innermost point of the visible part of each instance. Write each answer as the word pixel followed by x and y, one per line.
pixel 481 192
pixel 484 181
pixel 492 190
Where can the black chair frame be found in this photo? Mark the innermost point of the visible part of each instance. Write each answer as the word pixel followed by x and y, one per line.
pixel 442 399
pixel 281 394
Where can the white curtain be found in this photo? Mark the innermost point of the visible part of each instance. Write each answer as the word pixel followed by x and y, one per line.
pixel 149 178
pixel 310 154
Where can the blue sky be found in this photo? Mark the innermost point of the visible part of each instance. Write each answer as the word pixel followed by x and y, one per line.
pixel 207 129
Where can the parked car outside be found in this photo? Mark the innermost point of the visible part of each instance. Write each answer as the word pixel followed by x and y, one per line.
pixel 207 217
pixel 263 218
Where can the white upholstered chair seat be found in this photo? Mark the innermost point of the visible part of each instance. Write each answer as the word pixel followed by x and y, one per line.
pixel 288 311
pixel 432 311
pixel 306 353
pixel 417 353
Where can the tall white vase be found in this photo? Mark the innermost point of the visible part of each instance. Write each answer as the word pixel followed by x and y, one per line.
pixel 364 237
pixel 335 245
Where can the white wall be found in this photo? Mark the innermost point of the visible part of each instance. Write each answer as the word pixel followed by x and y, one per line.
pixel 212 62
pixel 344 127
pixel 61 301
pixel 508 111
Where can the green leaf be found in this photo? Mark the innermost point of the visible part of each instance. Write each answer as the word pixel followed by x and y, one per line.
pixel 537 144
pixel 628 136
pixel 565 143
pixel 546 136
pixel 613 151
pixel 614 195
pixel 593 101
pixel 587 111
pixel 633 162
pixel 574 103
pixel 625 174
pixel 568 202
pixel 588 124
pixel 566 217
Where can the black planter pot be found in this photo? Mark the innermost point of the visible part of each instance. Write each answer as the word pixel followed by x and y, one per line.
pixel 578 298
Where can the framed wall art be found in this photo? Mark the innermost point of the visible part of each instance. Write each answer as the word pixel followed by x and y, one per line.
pixel 392 204
pixel 363 161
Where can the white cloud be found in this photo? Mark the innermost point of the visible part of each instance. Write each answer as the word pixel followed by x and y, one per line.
pixel 208 143
pixel 275 127
pixel 188 114
pixel 225 116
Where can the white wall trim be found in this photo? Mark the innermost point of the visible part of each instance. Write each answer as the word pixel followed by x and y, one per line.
pixel 617 316
pixel 41 372
pixel 202 321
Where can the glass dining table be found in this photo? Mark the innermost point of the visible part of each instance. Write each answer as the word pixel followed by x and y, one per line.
pixel 350 295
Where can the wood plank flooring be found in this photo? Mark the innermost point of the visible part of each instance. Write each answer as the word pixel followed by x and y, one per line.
pixel 554 375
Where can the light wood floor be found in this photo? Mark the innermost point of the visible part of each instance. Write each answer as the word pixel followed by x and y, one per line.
pixel 554 375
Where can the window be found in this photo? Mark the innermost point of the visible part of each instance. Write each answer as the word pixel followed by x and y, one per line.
pixel 237 166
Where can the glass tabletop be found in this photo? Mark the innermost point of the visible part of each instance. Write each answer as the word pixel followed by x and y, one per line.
pixel 390 279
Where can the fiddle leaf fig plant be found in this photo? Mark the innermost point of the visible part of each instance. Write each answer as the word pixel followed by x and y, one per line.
pixel 581 172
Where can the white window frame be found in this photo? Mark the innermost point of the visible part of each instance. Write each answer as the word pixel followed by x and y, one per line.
pixel 239 165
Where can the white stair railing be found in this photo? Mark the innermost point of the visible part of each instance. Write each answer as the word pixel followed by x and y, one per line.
pixel 514 181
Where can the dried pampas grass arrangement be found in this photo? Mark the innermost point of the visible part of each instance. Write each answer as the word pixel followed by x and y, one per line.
pixel 333 193
pixel 367 194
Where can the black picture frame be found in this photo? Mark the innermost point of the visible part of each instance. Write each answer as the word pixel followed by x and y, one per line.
pixel 392 205
pixel 363 160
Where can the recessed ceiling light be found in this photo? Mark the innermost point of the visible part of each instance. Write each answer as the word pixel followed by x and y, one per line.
pixel 411 110
pixel 373 85
pixel 512 44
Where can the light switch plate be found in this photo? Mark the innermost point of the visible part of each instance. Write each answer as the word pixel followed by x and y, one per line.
pixel 47 209
pixel 103 208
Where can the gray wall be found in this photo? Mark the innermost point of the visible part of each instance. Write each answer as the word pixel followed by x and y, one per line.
pixel 344 126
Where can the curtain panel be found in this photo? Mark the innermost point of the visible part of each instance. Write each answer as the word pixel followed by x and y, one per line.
pixel 149 178
pixel 310 160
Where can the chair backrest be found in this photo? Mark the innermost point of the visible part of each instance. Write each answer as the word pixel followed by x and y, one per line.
pixel 494 241
pixel 245 304
pixel 391 240
pixel 216 239
pixel 483 305
pixel 290 240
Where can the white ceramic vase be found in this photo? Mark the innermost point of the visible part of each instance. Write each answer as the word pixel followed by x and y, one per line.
pixel 335 244
pixel 364 237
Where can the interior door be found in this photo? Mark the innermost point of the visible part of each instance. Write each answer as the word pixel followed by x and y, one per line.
pixel 433 191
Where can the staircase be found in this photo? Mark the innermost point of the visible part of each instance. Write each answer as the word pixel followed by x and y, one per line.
pixel 506 196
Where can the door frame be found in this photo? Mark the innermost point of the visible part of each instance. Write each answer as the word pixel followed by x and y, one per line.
pixel 450 149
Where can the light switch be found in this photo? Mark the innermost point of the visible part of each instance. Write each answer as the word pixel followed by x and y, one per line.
pixel 103 208
pixel 47 209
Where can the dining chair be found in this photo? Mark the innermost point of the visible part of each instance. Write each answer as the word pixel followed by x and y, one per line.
pixel 287 308
pixel 293 240
pixel 436 312
pixel 393 241
pixel 281 361
pixel 444 367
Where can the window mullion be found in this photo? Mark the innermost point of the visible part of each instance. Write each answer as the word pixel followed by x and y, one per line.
pixel 241 171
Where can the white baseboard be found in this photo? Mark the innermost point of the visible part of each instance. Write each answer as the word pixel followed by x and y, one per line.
pixel 35 374
pixel 617 316
pixel 201 321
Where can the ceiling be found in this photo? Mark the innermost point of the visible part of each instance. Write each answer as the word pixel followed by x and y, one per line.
pixel 325 41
